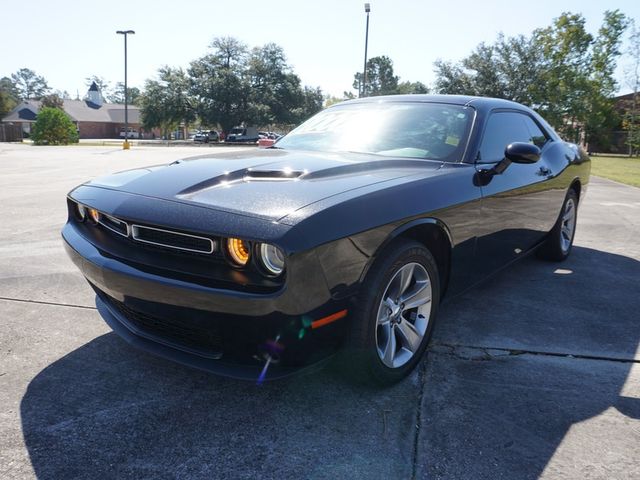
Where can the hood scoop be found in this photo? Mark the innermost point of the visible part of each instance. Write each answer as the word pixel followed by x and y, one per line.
pixel 272 175
pixel 244 175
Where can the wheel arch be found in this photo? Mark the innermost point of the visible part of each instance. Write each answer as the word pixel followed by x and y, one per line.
pixel 430 232
pixel 576 185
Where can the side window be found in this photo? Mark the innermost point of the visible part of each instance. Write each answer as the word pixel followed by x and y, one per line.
pixel 538 137
pixel 502 129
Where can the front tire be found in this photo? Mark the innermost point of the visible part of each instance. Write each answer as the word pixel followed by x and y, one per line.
pixel 395 314
pixel 558 244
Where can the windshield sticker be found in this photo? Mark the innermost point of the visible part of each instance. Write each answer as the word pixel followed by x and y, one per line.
pixel 452 140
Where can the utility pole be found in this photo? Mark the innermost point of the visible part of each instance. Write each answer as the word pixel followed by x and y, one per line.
pixel 125 145
pixel 367 9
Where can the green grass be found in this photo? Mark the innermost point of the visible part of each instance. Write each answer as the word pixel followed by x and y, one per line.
pixel 621 169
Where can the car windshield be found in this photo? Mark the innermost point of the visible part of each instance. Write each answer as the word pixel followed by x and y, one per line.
pixel 390 129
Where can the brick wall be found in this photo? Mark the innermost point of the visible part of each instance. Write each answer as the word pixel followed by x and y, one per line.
pixel 110 130
pixel 96 130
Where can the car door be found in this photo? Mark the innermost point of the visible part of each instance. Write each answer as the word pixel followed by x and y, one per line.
pixel 519 205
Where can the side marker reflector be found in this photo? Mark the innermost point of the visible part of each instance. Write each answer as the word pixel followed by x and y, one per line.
pixel 329 319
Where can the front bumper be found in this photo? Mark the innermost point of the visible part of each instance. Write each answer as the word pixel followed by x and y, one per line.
pixel 228 332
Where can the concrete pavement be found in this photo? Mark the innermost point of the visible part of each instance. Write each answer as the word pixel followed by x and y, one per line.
pixel 535 373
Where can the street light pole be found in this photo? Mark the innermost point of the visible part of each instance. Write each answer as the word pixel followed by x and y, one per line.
pixel 125 145
pixel 367 9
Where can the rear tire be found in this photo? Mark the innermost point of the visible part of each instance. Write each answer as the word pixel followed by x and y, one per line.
pixel 394 315
pixel 558 244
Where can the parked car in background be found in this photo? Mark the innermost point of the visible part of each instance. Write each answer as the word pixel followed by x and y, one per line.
pixel 206 136
pixel 133 133
pixel 243 134
pixel 266 142
pixel 347 232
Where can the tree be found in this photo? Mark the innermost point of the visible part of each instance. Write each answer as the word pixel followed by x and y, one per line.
pixel 408 88
pixel 331 100
pixel 276 95
pixel 631 120
pixel 29 85
pixel 380 78
pixel 602 116
pixel 117 94
pixel 53 127
pixel 231 85
pixel 52 101
pixel 9 96
pixel 229 52
pixel 506 69
pixel 218 84
pixel 561 70
pixel 62 94
pixel 166 102
pixel 577 80
pixel 312 103
pixel 451 79
pixel 272 86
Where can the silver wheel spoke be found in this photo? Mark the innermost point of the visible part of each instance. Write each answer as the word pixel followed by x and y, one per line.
pixel 406 274
pixel 417 297
pixel 410 338
pixel 383 318
pixel 568 225
pixel 568 214
pixel 389 351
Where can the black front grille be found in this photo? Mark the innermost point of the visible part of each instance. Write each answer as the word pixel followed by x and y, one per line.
pixel 177 333
pixel 165 238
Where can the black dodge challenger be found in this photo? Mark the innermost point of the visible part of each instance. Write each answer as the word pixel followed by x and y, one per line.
pixel 347 232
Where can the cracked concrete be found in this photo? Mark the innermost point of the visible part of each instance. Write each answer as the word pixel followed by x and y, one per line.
pixel 467 352
pixel 544 381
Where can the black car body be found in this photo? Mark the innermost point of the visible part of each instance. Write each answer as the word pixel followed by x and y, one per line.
pixel 159 262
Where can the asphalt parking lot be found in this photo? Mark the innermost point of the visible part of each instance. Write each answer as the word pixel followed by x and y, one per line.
pixel 534 373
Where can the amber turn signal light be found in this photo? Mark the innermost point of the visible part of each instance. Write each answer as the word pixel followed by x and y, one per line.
pixel 94 215
pixel 238 251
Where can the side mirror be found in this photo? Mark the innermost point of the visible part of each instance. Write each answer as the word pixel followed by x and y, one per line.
pixel 520 152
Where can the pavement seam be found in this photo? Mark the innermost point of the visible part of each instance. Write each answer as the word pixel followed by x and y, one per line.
pixel 422 373
pixel 41 302
pixel 515 351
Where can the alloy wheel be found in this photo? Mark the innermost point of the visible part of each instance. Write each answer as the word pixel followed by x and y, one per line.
pixel 403 315
pixel 568 224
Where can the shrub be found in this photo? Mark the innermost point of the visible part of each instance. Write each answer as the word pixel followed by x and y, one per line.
pixel 53 127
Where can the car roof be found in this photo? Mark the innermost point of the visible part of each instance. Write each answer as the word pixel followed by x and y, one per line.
pixel 480 103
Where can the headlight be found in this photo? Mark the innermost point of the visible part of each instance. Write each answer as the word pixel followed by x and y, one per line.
pixel 94 215
pixel 238 251
pixel 271 258
pixel 81 212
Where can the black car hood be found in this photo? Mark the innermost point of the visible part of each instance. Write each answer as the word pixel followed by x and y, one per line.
pixel 268 184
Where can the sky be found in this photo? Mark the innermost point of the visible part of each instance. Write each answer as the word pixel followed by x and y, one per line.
pixel 66 41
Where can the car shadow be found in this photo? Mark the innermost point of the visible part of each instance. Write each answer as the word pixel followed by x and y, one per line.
pixel 107 410
pixel 520 360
